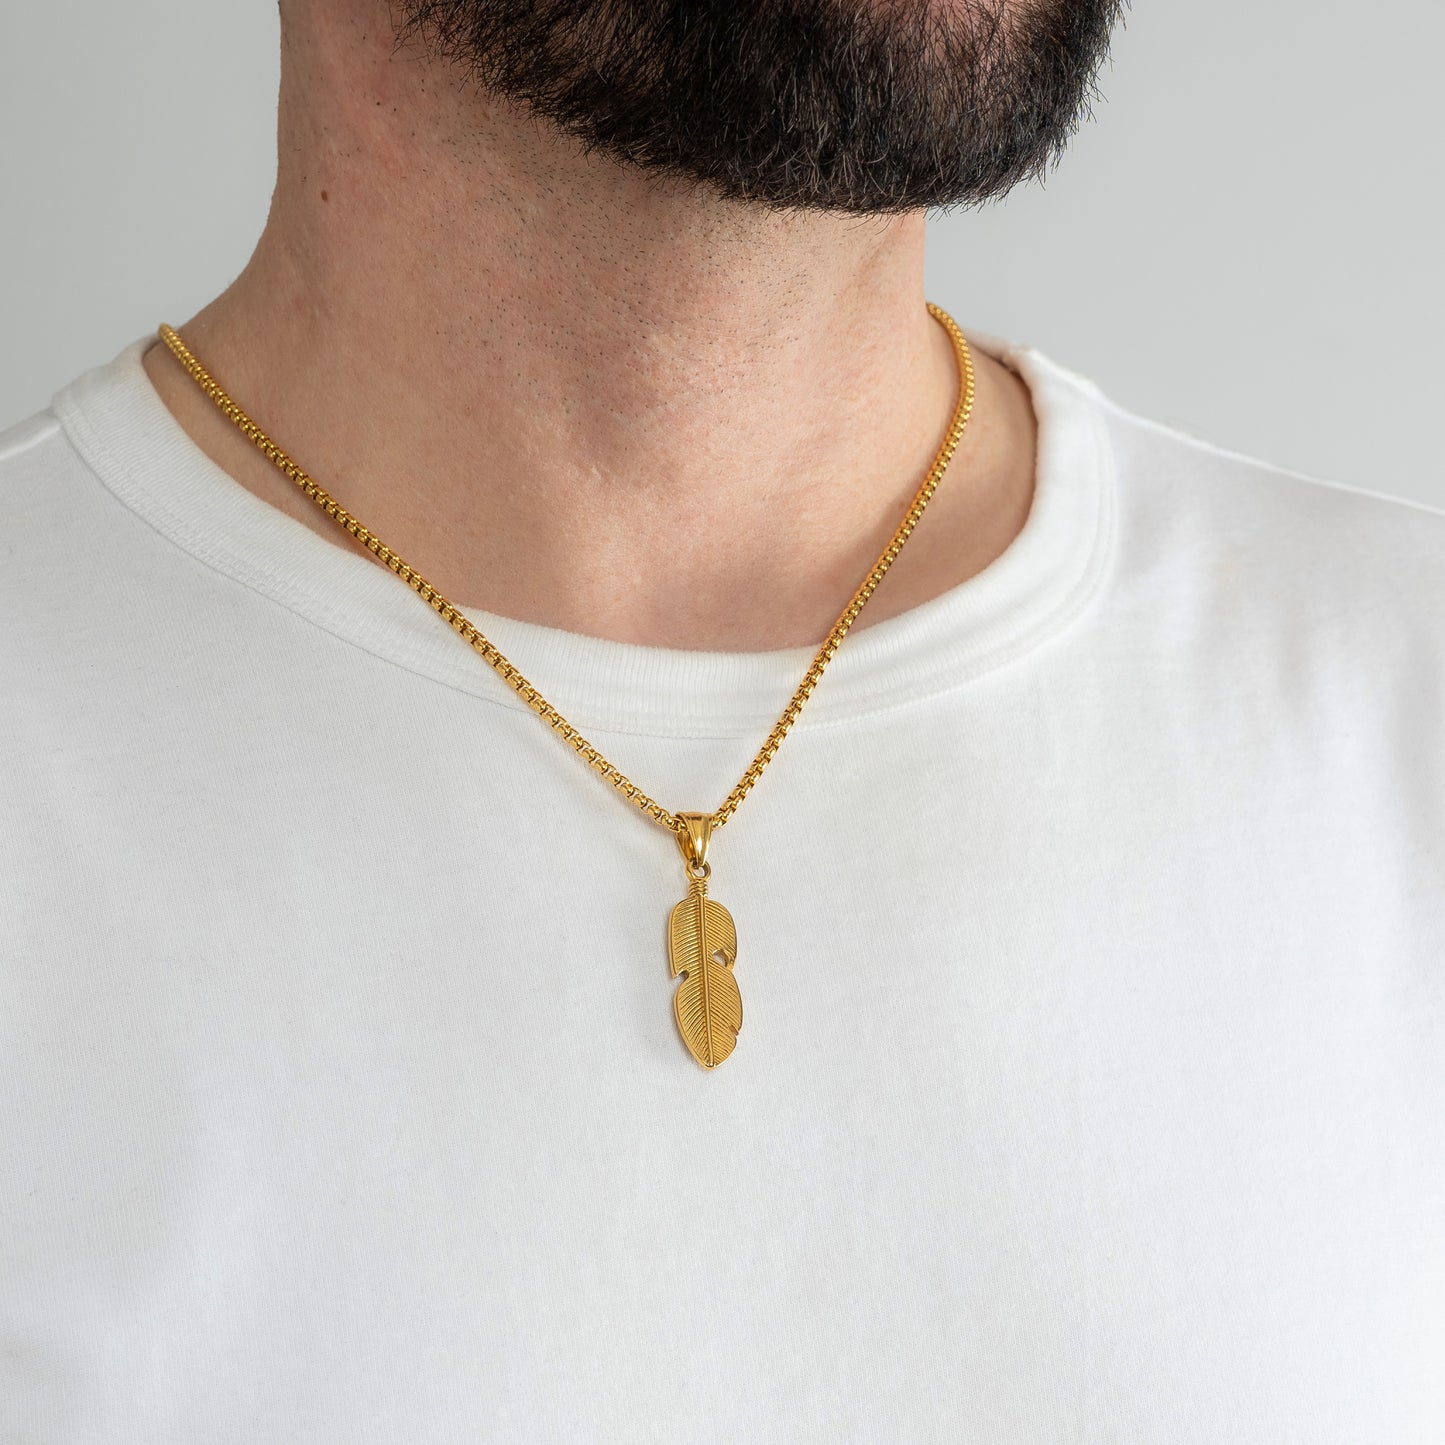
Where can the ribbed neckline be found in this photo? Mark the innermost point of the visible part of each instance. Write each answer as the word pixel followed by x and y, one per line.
pixel 117 421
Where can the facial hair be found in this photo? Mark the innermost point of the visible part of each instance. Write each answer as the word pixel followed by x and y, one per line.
pixel 862 106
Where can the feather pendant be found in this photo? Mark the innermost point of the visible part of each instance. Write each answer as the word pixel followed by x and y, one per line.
pixel 702 945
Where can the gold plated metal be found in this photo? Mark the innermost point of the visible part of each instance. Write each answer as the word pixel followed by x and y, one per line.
pixel 702 946
pixel 702 942
pixel 694 838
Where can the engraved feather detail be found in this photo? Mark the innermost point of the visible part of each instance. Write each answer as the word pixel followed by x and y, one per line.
pixel 702 945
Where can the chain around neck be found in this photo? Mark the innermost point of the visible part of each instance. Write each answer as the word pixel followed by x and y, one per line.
pixel 675 822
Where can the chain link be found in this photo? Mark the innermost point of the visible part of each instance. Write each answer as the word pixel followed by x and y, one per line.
pixel 509 673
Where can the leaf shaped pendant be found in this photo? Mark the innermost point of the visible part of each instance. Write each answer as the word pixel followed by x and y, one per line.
pixel 702 945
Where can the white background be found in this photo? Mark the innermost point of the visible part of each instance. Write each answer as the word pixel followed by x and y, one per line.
pixel 1243 242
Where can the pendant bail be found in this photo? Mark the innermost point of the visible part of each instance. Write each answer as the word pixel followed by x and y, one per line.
pixel 693 840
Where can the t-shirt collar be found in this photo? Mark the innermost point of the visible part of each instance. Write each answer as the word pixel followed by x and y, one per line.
pixel 1055 565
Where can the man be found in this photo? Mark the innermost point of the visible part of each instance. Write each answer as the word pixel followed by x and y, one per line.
pixel 1068 987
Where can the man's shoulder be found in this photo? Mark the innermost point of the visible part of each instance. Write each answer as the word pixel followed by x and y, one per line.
pixel 30 445
pixel 37 458
pixel 1181 469
pixel 1273 537
pixel 49 498
pixel 1255 579
pixel 42 483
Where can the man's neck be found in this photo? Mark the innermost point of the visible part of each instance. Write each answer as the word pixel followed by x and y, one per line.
pixel 575 394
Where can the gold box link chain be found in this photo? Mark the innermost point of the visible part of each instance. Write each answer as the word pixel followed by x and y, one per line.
pixel 509 673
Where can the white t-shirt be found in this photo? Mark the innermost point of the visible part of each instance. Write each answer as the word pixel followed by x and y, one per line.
pixel 1091 933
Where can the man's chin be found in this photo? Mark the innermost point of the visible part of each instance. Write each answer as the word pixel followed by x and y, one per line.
pixel 793 104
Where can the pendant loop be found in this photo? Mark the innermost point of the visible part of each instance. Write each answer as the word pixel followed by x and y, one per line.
pixel 694 840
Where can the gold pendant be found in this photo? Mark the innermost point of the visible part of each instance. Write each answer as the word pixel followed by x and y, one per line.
pixel 702 945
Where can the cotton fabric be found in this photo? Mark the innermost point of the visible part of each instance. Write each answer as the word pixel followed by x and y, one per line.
pixel 1091 931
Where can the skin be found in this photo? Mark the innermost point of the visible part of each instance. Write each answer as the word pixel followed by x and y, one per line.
pixel 576 394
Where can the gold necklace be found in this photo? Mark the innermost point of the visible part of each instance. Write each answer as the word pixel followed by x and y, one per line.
pixel 701 940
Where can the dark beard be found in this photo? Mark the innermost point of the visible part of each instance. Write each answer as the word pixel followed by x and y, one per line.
pixel 868 106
